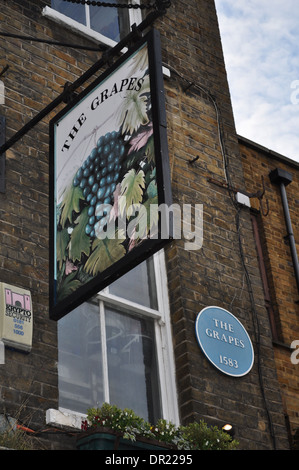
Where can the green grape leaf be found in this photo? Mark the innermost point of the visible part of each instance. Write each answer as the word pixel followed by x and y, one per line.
pixel 131 194
pixel 150 149
pixel 133 112
pixel 138 226
pixel 67 286
pixel 70 203
pixel 150 174
pixel 152 190
pixel 62 240
pixel 152 215
pixel 105 253
pixel 133 160
pixel 146 219
pixel 80 242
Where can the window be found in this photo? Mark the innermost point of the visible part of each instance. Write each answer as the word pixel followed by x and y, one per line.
pixel 117 348
pixel 107 23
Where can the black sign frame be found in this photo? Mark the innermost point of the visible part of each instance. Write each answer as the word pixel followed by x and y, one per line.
pixel 150 245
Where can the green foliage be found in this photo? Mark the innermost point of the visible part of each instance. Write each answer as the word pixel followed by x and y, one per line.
pixel 134 111
pixel 62 240
pixel 68 285
pixel 105 253
pixel 194 436
pixel 80 242
pixel 124 421
pixel 70 204
pixel 165 431
pixel 131 191
pixel 200 437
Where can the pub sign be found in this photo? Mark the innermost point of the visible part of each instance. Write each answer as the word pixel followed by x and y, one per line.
pixel 108 170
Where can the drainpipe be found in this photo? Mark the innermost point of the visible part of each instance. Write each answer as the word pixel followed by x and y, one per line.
pixel 283 178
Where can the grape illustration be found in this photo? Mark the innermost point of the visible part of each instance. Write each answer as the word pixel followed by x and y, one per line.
pixel 121 165
pixel 98 177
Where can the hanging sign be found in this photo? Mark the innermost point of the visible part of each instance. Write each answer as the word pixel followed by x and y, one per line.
pixel 109 174
pixel 224 341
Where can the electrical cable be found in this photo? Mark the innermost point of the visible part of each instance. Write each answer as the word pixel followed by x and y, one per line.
pixel 256 325
pixel 54 43
pixel 37 433
pixel 256 328
pixel 218 118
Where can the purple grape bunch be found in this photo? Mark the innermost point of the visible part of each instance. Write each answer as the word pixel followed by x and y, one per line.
pixel 98 177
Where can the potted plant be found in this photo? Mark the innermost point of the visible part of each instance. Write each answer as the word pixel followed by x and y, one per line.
pixel 110 428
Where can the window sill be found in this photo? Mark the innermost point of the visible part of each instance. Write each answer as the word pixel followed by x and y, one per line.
pixel 88 33
pixel 64 418
pixel 76 27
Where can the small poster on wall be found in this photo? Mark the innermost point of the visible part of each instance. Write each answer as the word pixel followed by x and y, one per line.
pixel 109 174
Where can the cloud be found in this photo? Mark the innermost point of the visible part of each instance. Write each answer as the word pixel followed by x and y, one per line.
pixel 260 40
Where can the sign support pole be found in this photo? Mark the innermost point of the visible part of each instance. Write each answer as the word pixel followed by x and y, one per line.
pixel 132 36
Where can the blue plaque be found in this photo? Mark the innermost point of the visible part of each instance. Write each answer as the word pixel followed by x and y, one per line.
pixel 224 341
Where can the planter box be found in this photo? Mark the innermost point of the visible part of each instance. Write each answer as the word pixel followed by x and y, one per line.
pixel 106 439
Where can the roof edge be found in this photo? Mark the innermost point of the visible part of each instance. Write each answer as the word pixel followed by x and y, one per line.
pixel 268 152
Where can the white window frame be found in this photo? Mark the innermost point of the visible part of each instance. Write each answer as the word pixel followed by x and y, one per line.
pixel 86 31
pixel 164 345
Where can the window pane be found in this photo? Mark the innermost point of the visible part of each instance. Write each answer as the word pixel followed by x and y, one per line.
pixel 109 21
pixel 132 365
pixel 138 285
pixel 72 10
pixel 80 359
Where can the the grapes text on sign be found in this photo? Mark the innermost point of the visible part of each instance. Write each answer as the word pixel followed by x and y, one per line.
pixel 224 341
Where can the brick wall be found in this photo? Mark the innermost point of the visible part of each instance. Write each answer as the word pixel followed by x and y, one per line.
pixel 213 275
pixel 284 295
pixel 36 75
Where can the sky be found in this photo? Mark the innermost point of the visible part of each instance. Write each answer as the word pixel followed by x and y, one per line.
pixel 260 40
